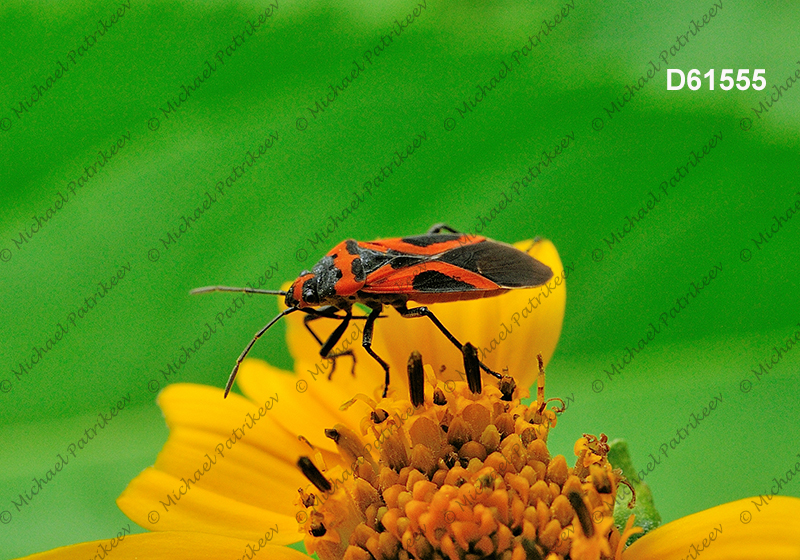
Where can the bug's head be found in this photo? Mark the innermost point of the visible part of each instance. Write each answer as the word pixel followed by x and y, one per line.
pixel 317 286
pixel 303 291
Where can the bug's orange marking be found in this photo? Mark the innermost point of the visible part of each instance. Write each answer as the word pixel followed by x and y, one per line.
pixel 297 290
pixel 387 280
pixel 346 285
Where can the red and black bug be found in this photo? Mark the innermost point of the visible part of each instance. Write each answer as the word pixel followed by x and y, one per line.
pixel 431 268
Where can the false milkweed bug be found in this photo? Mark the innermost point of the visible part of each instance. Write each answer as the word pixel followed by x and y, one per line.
pixel 431 268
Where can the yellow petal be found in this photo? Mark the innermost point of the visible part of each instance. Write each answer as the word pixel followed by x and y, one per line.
pixel 744 529
pixel 173 546
pixel 508 330
pixel 202 408
pixel 223 458
pixel 307 406
pixel 243 472
pixel 161 502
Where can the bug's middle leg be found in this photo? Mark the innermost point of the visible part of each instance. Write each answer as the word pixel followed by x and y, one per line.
pixel 436 228
pixel 423 311
pixel 366 342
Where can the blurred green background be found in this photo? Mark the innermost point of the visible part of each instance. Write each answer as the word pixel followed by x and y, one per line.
pixel 413 86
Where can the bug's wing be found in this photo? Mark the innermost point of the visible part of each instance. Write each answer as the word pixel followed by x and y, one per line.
pixel 506 266
pixel 487 266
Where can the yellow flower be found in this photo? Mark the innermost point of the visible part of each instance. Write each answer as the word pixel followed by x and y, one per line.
pixel 460 474
pixel 234 480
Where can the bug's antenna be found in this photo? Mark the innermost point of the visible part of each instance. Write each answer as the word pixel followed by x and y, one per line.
pixel 208 289
pixel 249 346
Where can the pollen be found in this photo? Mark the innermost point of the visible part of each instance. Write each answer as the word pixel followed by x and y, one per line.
pixel 461 476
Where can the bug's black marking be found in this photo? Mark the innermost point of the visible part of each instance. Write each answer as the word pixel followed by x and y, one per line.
pixel 313 474
pixel 357 268
pixel 430 239
pixel 352 246
pixel 372 260
pixel 378 300
pixel 404 261
pixel 327 274
pixel 503 264
pixel 436 282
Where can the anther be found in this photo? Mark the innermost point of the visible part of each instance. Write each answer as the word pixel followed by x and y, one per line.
pixel 557 410
pixel 632 503
pixel 416 379
pixel 532 550
pixel 379 416
pixel 307 500
pixel 582 511
pixel 472 367
pixel 438 397
pixel 540 385
pixel 303 439
pixel 331 433
pixel 597 445
pixel 507 386
pixel 350 445
pixel 317 529
pixel 313 474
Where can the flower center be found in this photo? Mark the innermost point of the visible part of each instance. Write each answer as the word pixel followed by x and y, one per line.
pixel 461 476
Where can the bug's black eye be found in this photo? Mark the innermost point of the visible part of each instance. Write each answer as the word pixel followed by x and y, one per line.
pixel 310 295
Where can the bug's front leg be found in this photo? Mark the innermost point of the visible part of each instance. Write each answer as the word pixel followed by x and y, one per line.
pixel 423 311
pixel 366 342
pixel 436 228
pixel 329 312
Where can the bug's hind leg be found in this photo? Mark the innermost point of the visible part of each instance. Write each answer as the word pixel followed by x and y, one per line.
pixel 423 311
pixel 436 228
pixel 329 312
pixel 366 342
